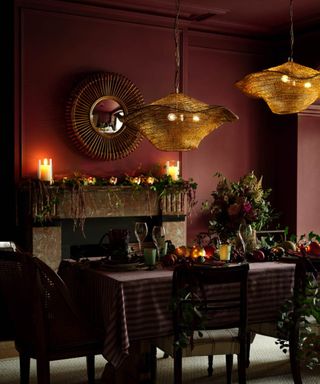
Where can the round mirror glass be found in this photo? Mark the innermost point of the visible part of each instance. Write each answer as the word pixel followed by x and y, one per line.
pixel 106 115
pixel 95 113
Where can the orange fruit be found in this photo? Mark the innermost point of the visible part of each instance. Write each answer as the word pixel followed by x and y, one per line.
pixel 197 251
pixel 182 251
pixel 314 248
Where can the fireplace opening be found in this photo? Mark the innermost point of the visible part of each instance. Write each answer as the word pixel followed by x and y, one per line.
pixel 75 245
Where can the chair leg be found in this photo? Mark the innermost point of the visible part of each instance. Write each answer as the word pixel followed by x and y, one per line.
pixel 153 363
pixel 295 370
pixel 250 337
pixel 229 365
pixel 210 365
pixel 24 368
pixel 90 369
pixel 177 366
pixel 242 362
pixel 294 361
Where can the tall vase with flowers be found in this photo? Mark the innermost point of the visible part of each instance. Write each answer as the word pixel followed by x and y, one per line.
pixel 242 204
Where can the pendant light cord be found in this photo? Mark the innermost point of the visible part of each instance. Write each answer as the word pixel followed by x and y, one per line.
pixel 291 31
pixel 177 47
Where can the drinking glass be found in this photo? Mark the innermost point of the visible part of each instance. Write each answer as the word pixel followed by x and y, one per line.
pixel 245 235
pixel 158 237
pixel 141 231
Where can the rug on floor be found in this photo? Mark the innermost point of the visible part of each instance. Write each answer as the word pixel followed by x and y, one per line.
pixel 268 365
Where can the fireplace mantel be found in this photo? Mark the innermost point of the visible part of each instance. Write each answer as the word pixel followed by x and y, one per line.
pixel 109 201
pixel 98 202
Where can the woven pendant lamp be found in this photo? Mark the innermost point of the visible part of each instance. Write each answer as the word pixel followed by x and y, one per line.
pixel 178 122
pixel 287 88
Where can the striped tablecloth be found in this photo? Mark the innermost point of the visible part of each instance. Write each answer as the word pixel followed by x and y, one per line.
pixel 133 305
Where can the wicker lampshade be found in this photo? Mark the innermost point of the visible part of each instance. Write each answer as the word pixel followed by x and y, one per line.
pixel 287 88
pixel 178 122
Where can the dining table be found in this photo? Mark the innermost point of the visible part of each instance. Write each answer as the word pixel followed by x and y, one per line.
pixel 132 307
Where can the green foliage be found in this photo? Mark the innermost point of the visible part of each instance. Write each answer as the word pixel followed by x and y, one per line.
pixel 191 316
pixel 308 304
pixel 44 215
pixel 306 237
pixel 43 200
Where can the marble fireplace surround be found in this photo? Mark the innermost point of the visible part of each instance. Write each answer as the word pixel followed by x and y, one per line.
pixel 109 203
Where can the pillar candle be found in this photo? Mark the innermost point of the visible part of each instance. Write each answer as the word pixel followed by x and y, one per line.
pixel 45 170
pixel 172 169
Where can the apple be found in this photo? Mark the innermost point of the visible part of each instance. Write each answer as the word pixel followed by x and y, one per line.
pixel 258 255
pixel 169 259
pixel 314 248
pixel 210 250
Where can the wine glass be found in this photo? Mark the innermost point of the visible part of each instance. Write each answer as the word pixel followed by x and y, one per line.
pixel 141 231
pixel 158 237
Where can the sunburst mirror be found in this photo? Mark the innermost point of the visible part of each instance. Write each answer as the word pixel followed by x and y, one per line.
pixel 95 113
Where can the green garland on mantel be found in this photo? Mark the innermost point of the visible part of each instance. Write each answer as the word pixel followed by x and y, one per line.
pixel 161 184
pixel 44 196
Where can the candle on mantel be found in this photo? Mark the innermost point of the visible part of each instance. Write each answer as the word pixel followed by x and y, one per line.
pixel 45 170
pixel 172 169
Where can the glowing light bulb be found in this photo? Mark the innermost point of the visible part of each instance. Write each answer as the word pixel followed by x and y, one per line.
pixel 285 78
pixel 307 84
pixel 172 117
pixel 195 118
pixel 181 117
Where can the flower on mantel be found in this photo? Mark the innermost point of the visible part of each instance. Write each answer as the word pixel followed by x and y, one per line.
pixel 243 201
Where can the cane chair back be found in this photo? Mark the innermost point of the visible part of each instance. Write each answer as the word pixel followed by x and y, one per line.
pixel 48 325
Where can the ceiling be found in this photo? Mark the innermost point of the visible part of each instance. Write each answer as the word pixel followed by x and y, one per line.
pixel 243 17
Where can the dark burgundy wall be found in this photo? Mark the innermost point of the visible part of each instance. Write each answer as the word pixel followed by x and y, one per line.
pixel 58 49
pixel 308 185
pixel 58 46
pixel 234 148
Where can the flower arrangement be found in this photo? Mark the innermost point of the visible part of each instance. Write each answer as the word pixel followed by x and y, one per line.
pixel 243 201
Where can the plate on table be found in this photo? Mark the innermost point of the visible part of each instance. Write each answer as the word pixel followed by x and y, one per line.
pixel 113 265
pixel 288 259
pixel 210 264
pixel 121 267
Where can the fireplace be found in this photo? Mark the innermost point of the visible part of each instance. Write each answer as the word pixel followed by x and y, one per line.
pixel 104 208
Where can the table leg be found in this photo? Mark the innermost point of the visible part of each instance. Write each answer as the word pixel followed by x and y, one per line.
pixel 138 368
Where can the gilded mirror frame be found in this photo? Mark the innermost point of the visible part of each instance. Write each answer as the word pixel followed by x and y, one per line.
pixel 91 140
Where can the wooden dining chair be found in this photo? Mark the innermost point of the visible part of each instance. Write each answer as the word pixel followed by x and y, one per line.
pixel 220 296
pixel 304 267
pixel 48 326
